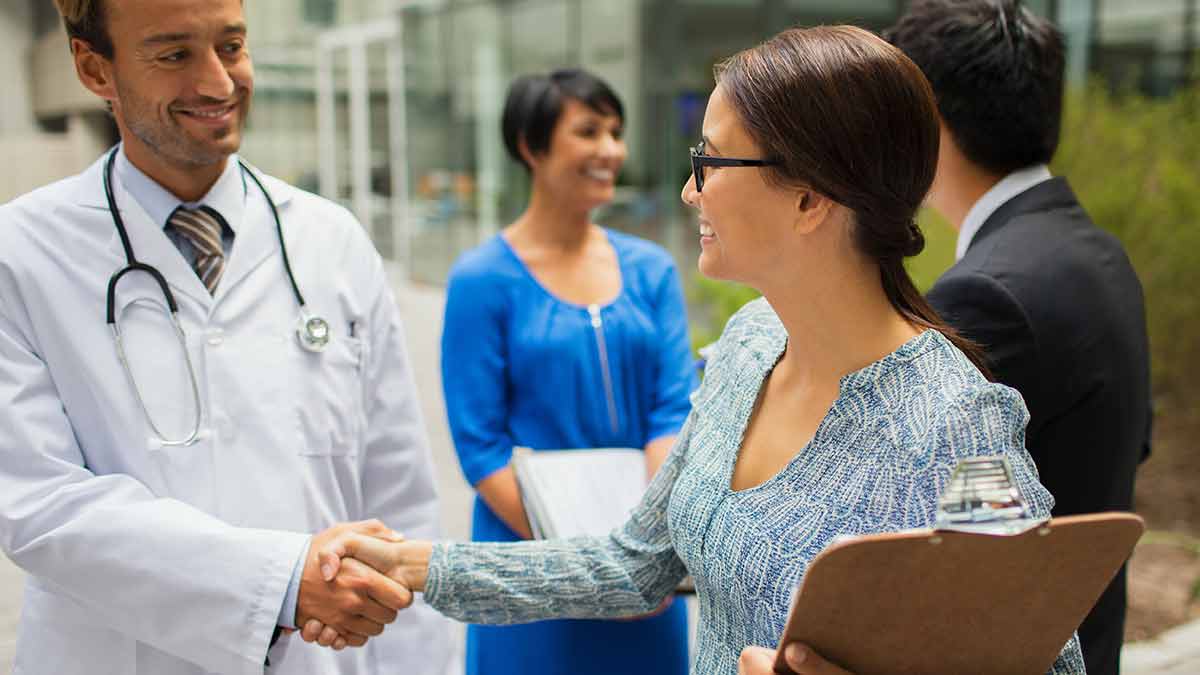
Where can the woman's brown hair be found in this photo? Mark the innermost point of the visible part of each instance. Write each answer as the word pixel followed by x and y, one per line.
pixel 848 115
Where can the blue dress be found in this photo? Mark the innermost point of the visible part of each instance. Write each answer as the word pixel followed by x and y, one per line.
pixel 877 463
pixel 521 367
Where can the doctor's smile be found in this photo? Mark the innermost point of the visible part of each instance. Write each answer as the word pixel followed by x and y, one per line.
pixel 217 117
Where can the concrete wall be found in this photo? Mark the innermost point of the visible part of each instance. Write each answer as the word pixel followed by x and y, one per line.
pixel 40 83
pixel 44 158
pixel 56 88
pixel 16 34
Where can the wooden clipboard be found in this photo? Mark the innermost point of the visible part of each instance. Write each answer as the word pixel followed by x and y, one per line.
pixel 945 603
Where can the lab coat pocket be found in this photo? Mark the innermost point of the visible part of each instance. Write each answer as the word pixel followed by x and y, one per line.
pixel 331 405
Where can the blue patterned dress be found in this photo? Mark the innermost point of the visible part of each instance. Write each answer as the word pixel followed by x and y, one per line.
pixel 877 462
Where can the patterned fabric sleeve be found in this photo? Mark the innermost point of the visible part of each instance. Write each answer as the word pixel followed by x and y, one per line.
pixel 991 418
pixel 625 574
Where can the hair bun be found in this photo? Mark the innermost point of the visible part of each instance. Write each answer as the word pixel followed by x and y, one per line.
pixel 916 240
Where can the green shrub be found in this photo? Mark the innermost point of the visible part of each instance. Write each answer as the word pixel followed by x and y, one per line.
pixel 1135 164
pixel 712 303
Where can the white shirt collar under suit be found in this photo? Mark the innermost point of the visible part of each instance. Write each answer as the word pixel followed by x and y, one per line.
pixel 1010 186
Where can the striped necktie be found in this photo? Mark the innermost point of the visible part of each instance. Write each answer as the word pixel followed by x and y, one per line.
pixel 202 228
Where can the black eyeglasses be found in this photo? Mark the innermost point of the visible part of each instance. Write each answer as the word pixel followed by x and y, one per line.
pixel 701 160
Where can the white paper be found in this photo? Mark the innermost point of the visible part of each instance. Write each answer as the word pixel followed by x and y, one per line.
pixel 570 493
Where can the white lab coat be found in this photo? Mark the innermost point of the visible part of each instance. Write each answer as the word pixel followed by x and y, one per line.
pixel 163 560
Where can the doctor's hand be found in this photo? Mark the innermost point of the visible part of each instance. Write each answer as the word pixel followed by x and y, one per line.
pixel 406 563
pixel 360 601
pixel 800 658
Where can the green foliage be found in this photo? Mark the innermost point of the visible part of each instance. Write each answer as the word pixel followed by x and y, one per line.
pixel 938 256
pixel 714 302
pixel 1135 164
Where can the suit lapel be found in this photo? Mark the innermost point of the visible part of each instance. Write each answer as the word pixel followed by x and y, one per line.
pixel 1052 194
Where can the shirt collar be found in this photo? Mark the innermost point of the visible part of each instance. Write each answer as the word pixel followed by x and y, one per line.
pixel 1010 186
pixel 227 196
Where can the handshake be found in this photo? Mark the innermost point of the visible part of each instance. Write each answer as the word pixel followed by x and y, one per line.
pixel 356 578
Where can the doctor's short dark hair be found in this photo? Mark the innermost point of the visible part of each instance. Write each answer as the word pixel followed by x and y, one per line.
pixel 86 20
pixel 535 103
pixel 997 72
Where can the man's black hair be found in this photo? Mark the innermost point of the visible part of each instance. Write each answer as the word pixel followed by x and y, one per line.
pixel 997 72
pixel 535 102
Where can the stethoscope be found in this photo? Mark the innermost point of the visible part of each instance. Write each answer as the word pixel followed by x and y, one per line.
pixel 312 332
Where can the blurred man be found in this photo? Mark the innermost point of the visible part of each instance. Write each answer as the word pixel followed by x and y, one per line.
pixel 159 484
pixel 1051 297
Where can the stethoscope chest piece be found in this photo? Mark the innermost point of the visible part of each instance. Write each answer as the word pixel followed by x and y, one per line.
pixel 313 333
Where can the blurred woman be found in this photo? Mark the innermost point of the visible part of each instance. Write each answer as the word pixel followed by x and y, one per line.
pixel 837 404
pixel 561 334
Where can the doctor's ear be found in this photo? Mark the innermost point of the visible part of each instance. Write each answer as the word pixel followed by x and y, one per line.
pixel 94 70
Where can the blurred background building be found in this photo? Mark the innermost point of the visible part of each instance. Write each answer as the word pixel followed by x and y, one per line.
pixel 393 106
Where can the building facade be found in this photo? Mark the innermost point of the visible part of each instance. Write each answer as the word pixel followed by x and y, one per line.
pixel 393 106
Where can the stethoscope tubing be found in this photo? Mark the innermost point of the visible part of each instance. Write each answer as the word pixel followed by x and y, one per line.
pixel 132 264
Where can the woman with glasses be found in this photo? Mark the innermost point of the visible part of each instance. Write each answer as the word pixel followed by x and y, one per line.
pixel 562 334
pixel 837 404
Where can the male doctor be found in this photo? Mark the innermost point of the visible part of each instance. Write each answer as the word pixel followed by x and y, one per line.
pixel 159 488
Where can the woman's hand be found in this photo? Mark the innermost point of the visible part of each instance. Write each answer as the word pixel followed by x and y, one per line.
pixel 402 561
pixel 800 658
pixel 406 562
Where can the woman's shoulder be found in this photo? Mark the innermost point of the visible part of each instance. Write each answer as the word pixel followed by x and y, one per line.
pixel 483 265
pixel 640 253
pixel 753 323
pixel 960 382
pixel 946 391
pixel 753 332
pixel 480 259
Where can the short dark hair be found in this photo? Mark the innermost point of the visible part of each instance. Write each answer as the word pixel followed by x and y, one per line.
pixel 86 20
pixel 997 72
pixel 535 102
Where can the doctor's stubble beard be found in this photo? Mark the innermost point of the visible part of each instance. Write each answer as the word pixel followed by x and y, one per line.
pixel 169 140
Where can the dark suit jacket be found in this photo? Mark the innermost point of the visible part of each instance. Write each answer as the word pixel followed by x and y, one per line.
pixel 1056 305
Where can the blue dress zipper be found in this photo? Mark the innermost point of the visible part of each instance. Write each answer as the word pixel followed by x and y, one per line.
pixel 602 347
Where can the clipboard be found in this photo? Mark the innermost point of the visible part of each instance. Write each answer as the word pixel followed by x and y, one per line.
pixel 988 591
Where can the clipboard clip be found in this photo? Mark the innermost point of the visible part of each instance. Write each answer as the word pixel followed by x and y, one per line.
pixel 982 498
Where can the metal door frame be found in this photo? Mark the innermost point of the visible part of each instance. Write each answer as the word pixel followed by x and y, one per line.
pixel 354 41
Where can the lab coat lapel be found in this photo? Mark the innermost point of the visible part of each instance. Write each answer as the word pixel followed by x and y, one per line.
pixel 256 240
pixel 150 244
